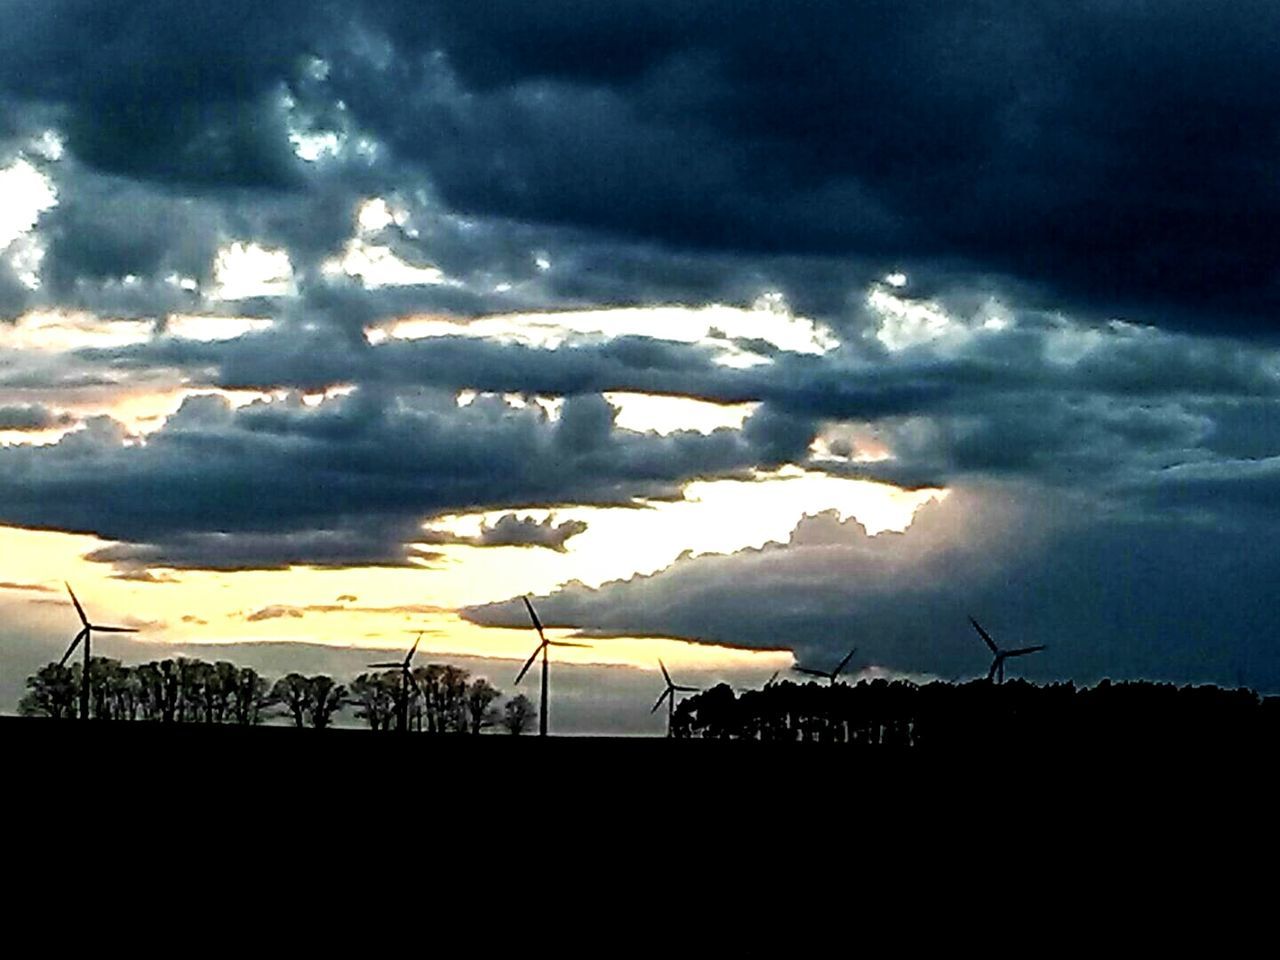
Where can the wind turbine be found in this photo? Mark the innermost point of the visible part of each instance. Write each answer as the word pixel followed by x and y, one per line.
pixel 406 678
pixel 831 677
pixel 541 649
pixel 86 634
pixel 997 665
pixel 669 695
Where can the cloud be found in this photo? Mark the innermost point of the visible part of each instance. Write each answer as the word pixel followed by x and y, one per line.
pixel 1109 595
pixel 33 587
pixel 31 417
pixel 346 482
pixel 273 612
pixel 511 530
pixel 1109 159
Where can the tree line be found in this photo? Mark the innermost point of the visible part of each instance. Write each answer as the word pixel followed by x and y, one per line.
pixel 442 698
pixel 939 715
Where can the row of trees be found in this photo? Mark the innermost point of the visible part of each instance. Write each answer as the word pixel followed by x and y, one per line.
pixel 980 713
pixel 443 699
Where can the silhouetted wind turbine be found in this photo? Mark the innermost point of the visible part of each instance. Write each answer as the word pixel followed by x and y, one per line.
pixel 997 665
pixel 669 695
pixel 86 634
pixel 542 649
pixel 831 677
pixel 406 678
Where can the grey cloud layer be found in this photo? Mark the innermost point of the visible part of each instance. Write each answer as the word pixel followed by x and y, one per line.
pixel 1114 156
pixel 345 483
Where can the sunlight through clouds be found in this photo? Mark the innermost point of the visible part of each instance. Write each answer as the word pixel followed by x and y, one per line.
pixel 245 270
pixel 729 330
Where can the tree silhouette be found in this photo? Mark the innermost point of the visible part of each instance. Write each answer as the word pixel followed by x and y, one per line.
pixel 481 713
pixel 518 714
pixel 324 697
pixel 51 692
pixel 375 698
pixel 292 693
pixel 252 697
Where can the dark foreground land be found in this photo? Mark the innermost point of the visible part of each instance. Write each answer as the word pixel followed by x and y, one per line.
pixel 260 771
pixel 273 812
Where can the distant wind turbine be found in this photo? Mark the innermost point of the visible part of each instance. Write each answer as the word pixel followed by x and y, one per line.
pixel 669 695
pixel 542 649
pixel 997 665
pixel 86 634
pixel 831 677
pixel 406 678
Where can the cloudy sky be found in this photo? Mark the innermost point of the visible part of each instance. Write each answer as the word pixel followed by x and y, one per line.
pixel 735 333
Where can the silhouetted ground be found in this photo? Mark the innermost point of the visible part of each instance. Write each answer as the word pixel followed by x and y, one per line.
pixel 268 768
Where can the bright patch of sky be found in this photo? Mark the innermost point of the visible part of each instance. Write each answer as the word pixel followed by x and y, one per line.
pixel 906 322
pixel 717 516
pixel 60 331
pixel 377 610
pixel 375 264
pixel 212 328
pixel 721 327
pixel 643 412
pixel 25 193
pixel 244 270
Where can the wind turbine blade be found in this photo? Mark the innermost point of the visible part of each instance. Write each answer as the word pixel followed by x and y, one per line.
pixel 115 629
pixel 686 689
pixel 413 649
pixel 529 663
pixel 384 666
pixel 533 615
pixel 770 682
pixel 847 657
pixel 992 672
pixel 985 636
pixel 1021 650
pixel 72 649
pixel 665 693
pixel 812 673
pixel 79 609
pixel 665 676
pixel 565 643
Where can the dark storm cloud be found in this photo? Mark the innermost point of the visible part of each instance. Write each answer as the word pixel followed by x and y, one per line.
pixel 1109 596
pixel 1114 156
pixel 162 90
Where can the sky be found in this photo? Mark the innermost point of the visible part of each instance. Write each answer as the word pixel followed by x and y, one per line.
pixel 733 336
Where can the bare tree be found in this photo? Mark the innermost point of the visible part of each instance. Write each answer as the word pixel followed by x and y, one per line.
pixel 324 698
pixel 481 713
pixel 374 696
pixel 518 714
pixel 291 692
pixel 253 696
